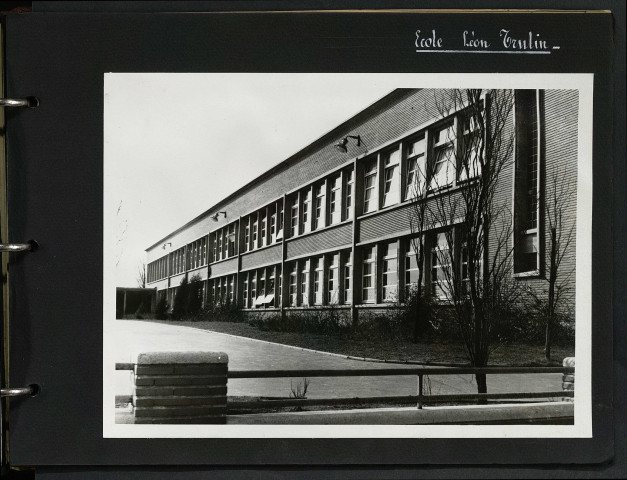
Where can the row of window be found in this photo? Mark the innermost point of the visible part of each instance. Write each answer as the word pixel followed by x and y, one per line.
pixel 223 243
pixel 326 202
pixel 185 258
pixel 386 273
pixel 263 227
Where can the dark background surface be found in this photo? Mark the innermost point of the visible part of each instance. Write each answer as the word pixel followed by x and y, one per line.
pixel 55 155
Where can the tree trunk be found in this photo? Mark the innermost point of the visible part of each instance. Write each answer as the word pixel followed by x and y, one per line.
pixel 418 321
pixel 482 385
pixel 550 314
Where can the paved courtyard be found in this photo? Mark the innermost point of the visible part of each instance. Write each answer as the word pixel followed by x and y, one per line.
pixel 133 337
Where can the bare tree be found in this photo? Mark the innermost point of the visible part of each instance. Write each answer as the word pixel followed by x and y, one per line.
pixel 559 195
pixel 471 253
pixel 416 183
pixel 141 278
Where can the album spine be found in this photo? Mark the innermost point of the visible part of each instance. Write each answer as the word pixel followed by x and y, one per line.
pixel 8 391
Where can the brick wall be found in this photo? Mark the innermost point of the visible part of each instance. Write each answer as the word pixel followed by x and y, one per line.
pixel 181 387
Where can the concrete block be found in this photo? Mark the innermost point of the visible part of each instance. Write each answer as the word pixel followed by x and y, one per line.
pixel 154 369
pixel 180 411
pixel 200 390
pixel 568 378
pixel 156 358
pixel 204 369
pixel 193 420
pixel 153 391
pixel 178 401
pixel 144 381
pixel 568 386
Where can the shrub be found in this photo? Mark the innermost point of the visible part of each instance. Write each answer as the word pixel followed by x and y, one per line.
pixel 161 310
pixel 194 299
pixel 181 299
pixel 188 298
pixel 219 312
pixel 329 321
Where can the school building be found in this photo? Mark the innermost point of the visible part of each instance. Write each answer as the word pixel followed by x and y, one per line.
pixel 330 226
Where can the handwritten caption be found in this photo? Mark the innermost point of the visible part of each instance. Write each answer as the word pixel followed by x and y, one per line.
pixel 471 41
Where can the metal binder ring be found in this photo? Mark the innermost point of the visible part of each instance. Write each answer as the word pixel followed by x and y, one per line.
pixel 14 102
pixel 15 247
pixel 16 392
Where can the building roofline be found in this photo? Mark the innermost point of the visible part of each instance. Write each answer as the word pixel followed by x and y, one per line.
pixel 326 138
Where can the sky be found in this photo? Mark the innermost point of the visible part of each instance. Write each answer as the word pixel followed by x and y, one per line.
pixel 175 144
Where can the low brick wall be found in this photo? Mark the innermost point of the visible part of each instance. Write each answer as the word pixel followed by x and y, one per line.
pixel 181 387
pixel 568 380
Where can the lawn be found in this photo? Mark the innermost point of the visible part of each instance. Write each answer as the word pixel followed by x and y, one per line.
pixel 434 351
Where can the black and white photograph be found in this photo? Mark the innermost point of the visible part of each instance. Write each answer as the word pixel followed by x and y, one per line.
pixel 347 255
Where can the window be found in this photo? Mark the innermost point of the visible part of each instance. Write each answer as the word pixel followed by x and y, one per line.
pixel 526 183
pixel 246 244
pixel 279 233
pixel 412 269
pixel 294 218
pixel 319 206
pixel 368 291
pixel 305 197
pixel 245 291
pixel 203 248
pixel 269 299
pixel 389 253
pixel 370 186
pixel 471 144
pixel 349 180
pixel 273 226
pixel 348 291
pixel 263 229
pixel 463 260
pixel 443 149
pixel 279 299
pixel 304 283
pixel 317 267
pixel 293 289
pixel 219 234
pixel 334 199
pixel 231 241
pixel 440 266
pixel 231 289
pixel 255 233
pixel 253 287
pixel 261 289
pixel 391 178
pixel 333 279
pixel 415 176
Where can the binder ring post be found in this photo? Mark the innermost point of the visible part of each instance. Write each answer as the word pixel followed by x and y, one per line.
pixel 16 247
pixel 19 102
pixel 17 392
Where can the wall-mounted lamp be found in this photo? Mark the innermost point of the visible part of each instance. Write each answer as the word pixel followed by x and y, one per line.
pixel 217 215
pixel 167 244
pixel 341 145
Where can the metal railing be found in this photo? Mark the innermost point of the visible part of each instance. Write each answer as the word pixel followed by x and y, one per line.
pixel 420 398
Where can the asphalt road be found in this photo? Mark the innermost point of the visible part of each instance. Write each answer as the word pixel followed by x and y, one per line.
pixel 134 337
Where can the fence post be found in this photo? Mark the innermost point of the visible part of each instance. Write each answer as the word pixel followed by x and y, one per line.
pixel 181 387
pixel 420 391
